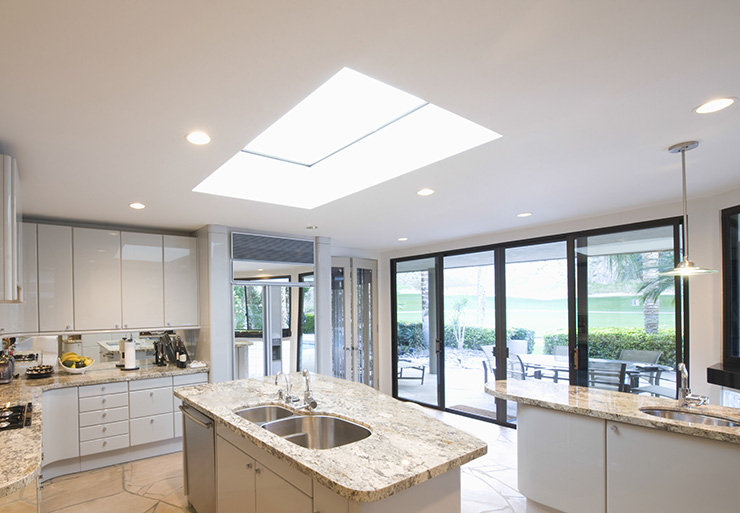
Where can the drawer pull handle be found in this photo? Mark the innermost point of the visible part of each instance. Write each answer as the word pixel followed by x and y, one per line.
pixel 151 394
pixel 151 421
pixel 104 414
pixel 103 400
pixel 105 429
pixel 105 443
pixel 249 466
pixel 257 470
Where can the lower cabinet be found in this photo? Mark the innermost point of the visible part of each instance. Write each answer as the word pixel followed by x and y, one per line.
pixel 273 493
pixel 235 483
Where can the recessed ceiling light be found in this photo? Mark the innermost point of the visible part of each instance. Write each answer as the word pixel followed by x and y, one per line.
pixel 403 239
pixel 351 122
pixel 524 214
pixel 425 192
pixel 714 105
pixel 312 227
pixel 260 269
pixel 198 138
pixel 137 205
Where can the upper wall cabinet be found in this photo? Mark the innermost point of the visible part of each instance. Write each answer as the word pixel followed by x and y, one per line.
pixel 180 281
pixel 24 316
pixel 56 300
pixel 142 280
pixel 97 278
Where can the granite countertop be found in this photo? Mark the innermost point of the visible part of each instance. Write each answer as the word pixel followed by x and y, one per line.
pixel 21 448
pixel 406 447
pixel 616 406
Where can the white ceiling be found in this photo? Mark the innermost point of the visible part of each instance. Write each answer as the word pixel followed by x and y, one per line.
pixel 96 97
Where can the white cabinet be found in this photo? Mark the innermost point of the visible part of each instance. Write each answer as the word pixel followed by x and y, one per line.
pixel 59 428
pixel 142 280
pixel 56 311
pixel 103 418
pixel 24 317
pixel 273 493
pixel 180 281
pixel 649 470
pixel 234 479
pixel 97 278
pixel 150 409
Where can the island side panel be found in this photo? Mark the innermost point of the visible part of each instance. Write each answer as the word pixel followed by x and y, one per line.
pixel 561 460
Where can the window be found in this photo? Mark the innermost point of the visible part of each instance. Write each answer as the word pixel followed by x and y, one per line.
pixel 248 308
pixel 731 285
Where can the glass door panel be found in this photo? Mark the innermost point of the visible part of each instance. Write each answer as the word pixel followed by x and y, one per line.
pixel 306 325
pixel 364 325
pixel 627 311
pixel 537 314
pixel 416 359
pixel 469 332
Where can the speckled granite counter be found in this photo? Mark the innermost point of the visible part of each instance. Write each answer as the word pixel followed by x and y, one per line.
pixel 616 406
pixel 21 448
pixel 407 446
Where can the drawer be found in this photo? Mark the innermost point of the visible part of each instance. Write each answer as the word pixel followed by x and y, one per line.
pixel 190 379
pixel 103 444
pixel 151 429
pixel 90 418
pixel 141 384
pixel 103 388
pixel 103 431
pixel 99 402
pixel 143 403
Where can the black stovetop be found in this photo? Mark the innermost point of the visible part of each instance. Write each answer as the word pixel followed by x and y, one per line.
pixel 15 416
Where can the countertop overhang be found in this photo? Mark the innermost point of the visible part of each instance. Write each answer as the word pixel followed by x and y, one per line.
pixel 21 448
pixel 406 447
pixel 616 406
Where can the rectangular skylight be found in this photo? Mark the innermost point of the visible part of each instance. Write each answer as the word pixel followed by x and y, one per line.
pixel 352 133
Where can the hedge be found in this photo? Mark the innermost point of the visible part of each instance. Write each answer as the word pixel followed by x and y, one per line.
pixel 308 323
pixel 410 337
pixel 608 342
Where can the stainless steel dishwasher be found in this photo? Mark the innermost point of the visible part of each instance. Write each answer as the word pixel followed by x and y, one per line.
pixel 198 442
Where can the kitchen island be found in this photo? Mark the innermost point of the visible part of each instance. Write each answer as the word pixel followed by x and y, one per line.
pixel 585 450
pixel 22 448
pixel 410 462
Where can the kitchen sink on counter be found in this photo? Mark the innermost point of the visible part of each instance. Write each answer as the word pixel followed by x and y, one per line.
pixel 585 450
pixel 397 458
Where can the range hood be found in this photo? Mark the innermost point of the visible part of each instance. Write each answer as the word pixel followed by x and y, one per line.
pixel 10 258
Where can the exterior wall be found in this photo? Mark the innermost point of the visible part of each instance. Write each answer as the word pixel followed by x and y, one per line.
pixel 705 292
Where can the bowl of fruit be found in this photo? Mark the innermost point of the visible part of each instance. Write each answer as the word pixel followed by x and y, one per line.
pixel 74 363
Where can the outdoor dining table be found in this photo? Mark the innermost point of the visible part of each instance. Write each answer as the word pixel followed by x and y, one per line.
pixel 559 364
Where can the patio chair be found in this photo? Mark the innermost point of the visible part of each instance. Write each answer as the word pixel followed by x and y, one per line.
pixel 652 374
pixel 489 363
pixel 607 375
pixel 404 363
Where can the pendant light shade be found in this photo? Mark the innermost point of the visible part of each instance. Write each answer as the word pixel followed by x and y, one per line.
pixel 686 267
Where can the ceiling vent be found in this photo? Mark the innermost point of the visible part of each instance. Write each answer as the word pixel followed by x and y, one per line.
pixel 246 246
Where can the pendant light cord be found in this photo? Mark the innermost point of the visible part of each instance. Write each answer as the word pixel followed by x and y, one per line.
pixel 685 216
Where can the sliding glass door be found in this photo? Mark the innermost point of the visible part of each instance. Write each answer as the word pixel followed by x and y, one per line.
pixel 417 336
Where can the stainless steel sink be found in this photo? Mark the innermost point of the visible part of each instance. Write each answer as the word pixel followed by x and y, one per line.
pixel 266 413
pixel 318 431
pixel 691 417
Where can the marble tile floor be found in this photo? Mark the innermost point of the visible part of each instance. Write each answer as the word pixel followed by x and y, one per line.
pixel 154 485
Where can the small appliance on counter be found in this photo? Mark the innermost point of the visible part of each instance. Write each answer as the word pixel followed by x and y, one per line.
pixel 7 362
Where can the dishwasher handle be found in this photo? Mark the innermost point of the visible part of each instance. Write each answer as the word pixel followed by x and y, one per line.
pixel 206 425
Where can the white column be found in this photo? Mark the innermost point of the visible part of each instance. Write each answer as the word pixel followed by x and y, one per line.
pixel 322 284
pixel 216 342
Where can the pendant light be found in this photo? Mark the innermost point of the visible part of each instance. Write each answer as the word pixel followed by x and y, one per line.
pixel 686 267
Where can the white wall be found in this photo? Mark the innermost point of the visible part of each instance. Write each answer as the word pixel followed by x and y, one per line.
pixel 704 291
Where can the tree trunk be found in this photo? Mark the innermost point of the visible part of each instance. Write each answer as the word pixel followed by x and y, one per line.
pixel 650 308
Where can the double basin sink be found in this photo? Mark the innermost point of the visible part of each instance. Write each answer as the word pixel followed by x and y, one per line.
pixel 309 431
pixel 690 417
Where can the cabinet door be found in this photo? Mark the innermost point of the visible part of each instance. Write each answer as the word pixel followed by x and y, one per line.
pixel 650 470
pixel 180 281
pixel 275 494
pixel 24 317
pixel 59 429
pixel 142 280
pixel 234 479
pixel 55 278
pixel 97 278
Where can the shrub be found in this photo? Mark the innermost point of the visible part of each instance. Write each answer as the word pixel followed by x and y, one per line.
pixel 608 342
pixel 308 323
pixel 410 337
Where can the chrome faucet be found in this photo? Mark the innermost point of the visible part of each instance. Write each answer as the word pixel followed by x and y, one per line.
pixel 685 398
pixel 284 395
pixel 309 402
